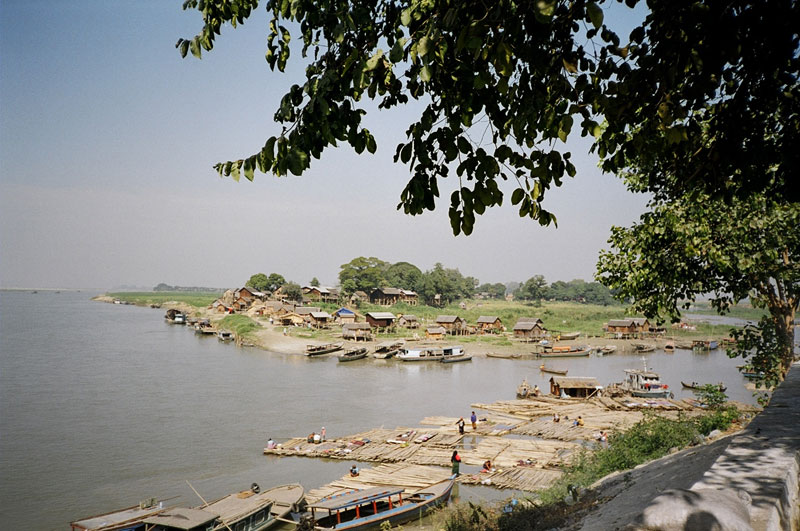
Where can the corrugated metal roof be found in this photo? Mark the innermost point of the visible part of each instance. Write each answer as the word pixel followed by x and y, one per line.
pixel 320 315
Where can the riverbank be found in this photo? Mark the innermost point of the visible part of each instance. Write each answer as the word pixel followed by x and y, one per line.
pixel 293 339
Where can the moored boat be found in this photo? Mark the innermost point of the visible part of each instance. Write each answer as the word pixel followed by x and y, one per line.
pixel 128 519
pixel 565 352
pixel 645 383
pixel 694 386
pixel 225 335
pixel 457 358
pixel 643 347
pixel 567 336
pixel 429 353
pixel 387 349
pixel 250 510
pixel 704 344
pixel 504 355
pixel 353 354
pixel 669 347
pixel 373 507
pixel 327 348
pixel 608 349
pixel 174 316
pixel 544 368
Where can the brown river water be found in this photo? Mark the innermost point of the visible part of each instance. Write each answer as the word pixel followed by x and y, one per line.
pixel 104 405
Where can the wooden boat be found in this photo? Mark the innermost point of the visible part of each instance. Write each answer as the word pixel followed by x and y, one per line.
pixel 544 368
pixel 608 349
pixel 457 358
pixel 645 383
pixel 504 355
pixel 562 352
pixel 704 344
pixel 174 316
pixel 643 347
pixel 523 389
pixel 749 372
pixel 372 507
pixel 683 345
pixel 353 354
pixel 429 353
pixel 250 510
pixel 699 387
pixel 130 518
pixel 387 349
pixel 225 335
pixel 567 336
pixel 327 348
pixel 669 347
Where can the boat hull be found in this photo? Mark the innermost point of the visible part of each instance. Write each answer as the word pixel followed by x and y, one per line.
pixel 573 354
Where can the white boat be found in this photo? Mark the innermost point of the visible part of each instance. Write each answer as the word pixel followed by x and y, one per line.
pixel 429 353
pixel 225 335
pixel 645 383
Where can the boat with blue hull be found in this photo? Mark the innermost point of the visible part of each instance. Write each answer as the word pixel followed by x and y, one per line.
pixel 370 508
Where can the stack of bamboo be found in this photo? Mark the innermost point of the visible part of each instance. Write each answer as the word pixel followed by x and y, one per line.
pixel 410 477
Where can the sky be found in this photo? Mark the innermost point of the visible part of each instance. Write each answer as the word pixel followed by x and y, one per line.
pixel 108 140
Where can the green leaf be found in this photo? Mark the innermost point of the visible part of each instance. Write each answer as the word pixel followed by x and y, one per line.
pixel 405 16
pixel 595 14
pixel 517 196
pixel 405 153
pixel 372 62
pixel 425 73
pixel 195 47
pixel 423 46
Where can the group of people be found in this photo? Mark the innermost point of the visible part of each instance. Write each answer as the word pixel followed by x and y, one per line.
pixel 472 418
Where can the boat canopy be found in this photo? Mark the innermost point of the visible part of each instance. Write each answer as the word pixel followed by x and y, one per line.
pixel 351 499
pixel 182 518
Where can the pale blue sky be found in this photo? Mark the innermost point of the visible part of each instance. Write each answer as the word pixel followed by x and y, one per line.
pixel 107 141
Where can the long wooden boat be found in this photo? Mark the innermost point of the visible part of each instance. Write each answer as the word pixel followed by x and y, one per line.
pixel 370 508
pixel 567 336
pixel 694 386
pixel 129 518
pixel 504 355
pixel 580 352
pixel 608 349
pixel 457 358
pixel 249 510
pixel 387 349
pixel 643 347
pixel 353 354
pixel 544 368
pixel 327 348
pixel 225 335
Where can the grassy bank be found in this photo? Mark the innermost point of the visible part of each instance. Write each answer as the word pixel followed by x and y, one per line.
pixel 240 324
pixel 146 298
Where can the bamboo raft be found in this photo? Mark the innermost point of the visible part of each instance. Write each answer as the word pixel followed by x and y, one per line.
pixel 417 457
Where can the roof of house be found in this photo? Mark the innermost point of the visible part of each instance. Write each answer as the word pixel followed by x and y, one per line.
pixel 409 293
pixel 526 325
pixel 436 330
pixel 381 315
pixel 620 322
pixel 582 382
pixel 356 326
pixel 320 315
pixel 640 320
pixel 360 293
pixel 409 317
pixel 305 310
pixel 489 319
pixel 344 311
pixel 447 318
pixel 529 319
pixel 389 291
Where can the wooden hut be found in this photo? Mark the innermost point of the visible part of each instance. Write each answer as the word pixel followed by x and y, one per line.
pixel 320 294
pixel 357 331
pixel 621 328
pixel 529 328
pixel 489 324
pixel 320 319
pixel 381 320
pixel 574 387
pixel 359 296
pixel 306 311
pixel 452 323
pixel 409 297
pixel 435 332
pixel 385 296
pixel 290 319
pixel 408 321
pixel 345 315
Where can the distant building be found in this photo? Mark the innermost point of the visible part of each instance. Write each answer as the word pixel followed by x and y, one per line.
pixel 529 328
pixel 435 332
pixel 489 323
pixel 381 320
pixel 452 323
pixel 357 331
pixel 408 321
pixel 581 387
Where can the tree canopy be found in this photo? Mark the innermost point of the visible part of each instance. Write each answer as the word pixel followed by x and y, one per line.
pixel 732 251
pixel 505 84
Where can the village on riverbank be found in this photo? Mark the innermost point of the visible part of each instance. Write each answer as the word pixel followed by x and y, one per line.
pixel 516 444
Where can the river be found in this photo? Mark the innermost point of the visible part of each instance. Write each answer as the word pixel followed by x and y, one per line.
pixel 103 405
